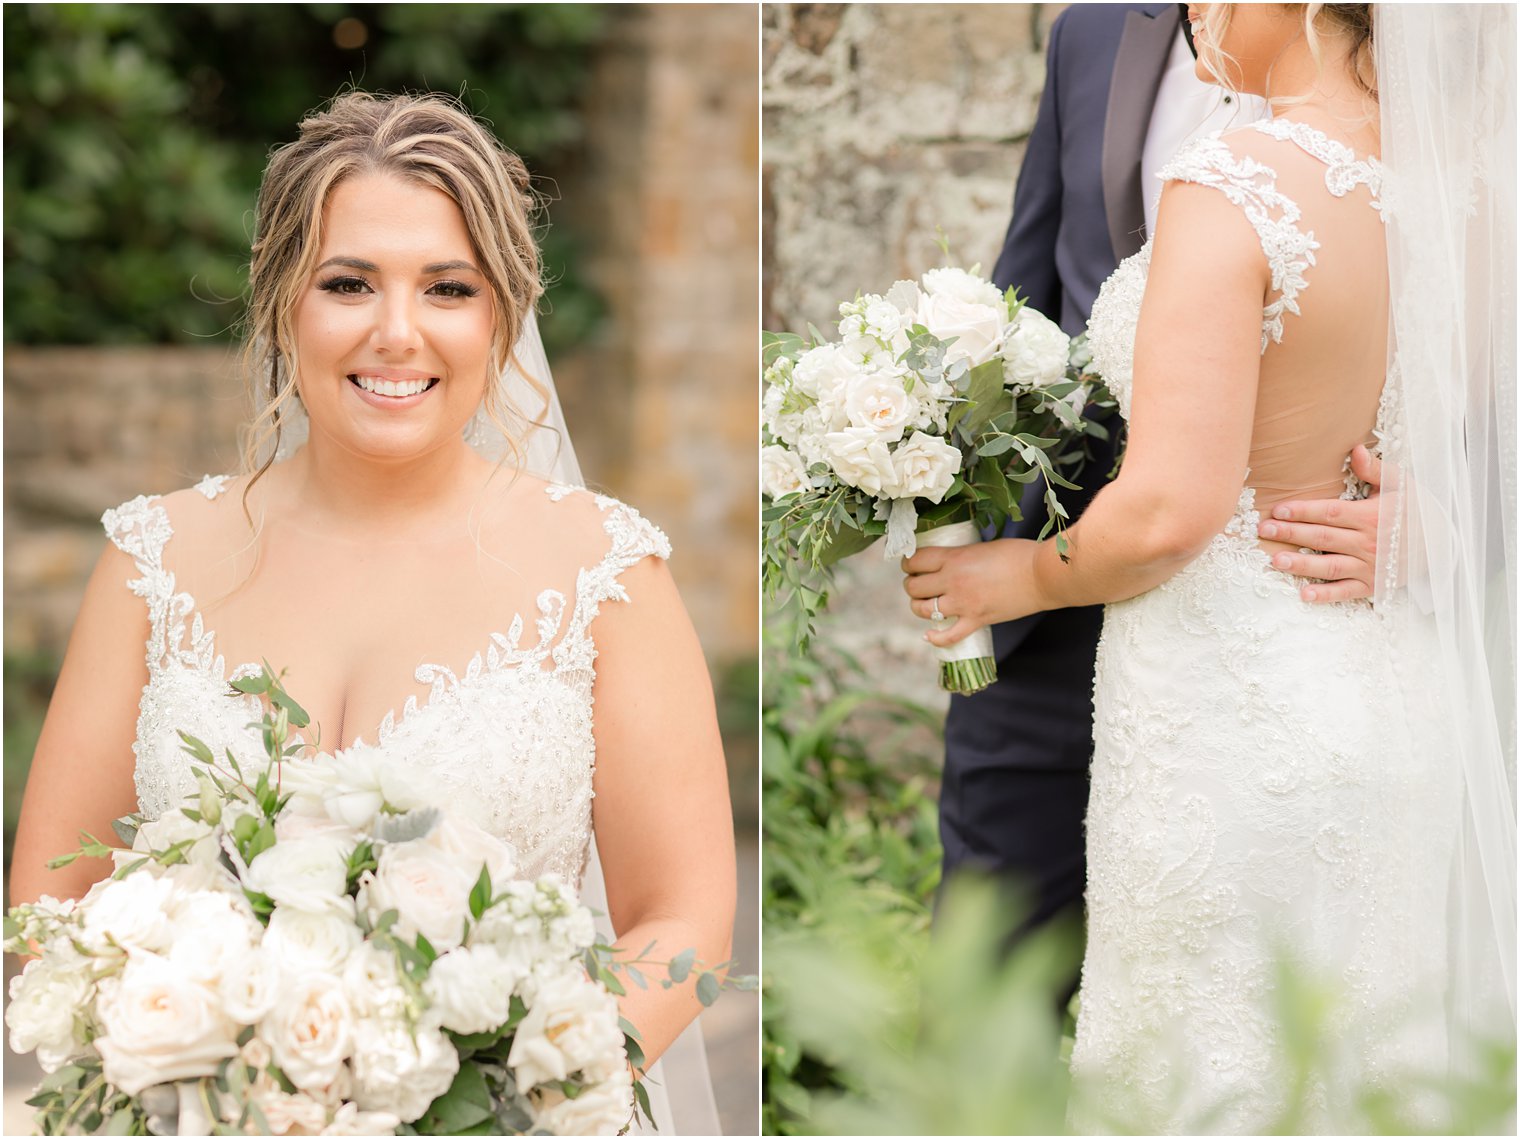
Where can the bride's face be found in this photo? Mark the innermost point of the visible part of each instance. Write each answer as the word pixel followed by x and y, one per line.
pixel 393 331
pixel 1243 40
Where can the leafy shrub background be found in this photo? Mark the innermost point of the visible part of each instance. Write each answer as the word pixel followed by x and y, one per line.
pixel 135 135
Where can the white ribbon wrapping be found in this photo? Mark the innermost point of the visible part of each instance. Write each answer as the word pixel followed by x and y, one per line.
pixel 979 643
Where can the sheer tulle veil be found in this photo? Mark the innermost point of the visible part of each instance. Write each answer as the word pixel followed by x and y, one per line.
pixel 1446 79
pixel 679 1085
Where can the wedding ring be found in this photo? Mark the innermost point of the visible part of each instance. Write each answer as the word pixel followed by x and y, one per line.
pixel 934 612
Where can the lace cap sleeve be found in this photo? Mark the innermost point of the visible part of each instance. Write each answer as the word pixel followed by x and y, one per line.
pixel 1252 186
pixel 140 529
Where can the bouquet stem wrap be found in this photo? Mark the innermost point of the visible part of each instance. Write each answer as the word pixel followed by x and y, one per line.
pixel 968 666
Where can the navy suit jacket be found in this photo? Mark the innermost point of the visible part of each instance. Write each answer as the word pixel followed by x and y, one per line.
pixel 1077 212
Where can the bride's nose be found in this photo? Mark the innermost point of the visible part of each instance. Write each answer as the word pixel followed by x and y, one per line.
pixel 396 328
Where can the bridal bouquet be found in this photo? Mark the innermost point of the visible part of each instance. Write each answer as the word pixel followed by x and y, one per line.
pixel 312 949
pixel 919 424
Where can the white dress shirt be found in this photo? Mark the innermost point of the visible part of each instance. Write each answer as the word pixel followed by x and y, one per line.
pixel 1186 107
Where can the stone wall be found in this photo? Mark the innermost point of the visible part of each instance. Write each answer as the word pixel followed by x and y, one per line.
pixel 661 405
pixel 885 125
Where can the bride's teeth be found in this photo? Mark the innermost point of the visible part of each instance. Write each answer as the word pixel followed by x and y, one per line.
pixel 393 388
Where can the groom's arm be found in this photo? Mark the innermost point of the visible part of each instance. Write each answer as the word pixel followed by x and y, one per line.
pixel 1028 259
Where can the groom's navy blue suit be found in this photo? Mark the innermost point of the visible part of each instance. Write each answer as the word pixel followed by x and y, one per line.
pixel 1016 755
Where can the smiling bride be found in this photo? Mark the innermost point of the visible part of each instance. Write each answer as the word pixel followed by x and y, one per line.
pixel 408 545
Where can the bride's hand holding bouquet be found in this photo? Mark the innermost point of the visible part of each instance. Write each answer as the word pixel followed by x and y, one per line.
pixel 920 425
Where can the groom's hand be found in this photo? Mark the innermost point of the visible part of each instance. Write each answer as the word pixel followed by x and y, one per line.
pixel 1344 532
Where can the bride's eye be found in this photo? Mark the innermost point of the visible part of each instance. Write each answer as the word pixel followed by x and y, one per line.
pixel 453 290
pixel 347 286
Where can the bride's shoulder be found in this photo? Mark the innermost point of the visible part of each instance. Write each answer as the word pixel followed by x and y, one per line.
pixel 141 526
pixel 592 525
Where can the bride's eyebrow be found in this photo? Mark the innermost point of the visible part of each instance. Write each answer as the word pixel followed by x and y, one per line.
pixel 371 267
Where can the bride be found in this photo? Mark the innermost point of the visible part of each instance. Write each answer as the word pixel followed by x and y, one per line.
pixel 405 547
pixel 1326 790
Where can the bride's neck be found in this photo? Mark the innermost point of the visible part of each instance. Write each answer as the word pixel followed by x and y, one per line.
pixel 347 495
pixel 1298 80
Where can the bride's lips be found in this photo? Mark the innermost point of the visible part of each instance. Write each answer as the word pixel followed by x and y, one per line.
pixel 385 381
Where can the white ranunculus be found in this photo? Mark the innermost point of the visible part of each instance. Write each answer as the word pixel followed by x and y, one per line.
pixel 398 1072
pixel 427 887
pixel 471 988
pixel 310 1030
pixel 571 1026
pixel 129 912
pixel 1034 351
pixel 305 874
pixel 861 458
pixel 977 329
pixel 879 401
pixel 303 942
pixel 782 471
pixel 924 466
pixel 158 1025
pixel 601 1109
pixel 963 286
pixel 46 999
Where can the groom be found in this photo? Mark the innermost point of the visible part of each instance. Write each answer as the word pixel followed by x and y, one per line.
pixel 1120 98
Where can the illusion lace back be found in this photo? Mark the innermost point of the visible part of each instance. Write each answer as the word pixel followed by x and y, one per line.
pixel 508 741
pixel 1263 794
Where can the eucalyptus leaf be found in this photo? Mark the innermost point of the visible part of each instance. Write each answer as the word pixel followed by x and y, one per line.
pixel 680 968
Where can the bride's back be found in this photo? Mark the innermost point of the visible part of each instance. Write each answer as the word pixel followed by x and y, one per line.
pixel 1321 382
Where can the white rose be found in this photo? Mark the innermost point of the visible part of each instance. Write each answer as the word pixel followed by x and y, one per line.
pixel 373 982
pixel 428 888
pixel 129 912
pixel 474 847
pixel 166 830
pixel 878 400
pixel 782 471
pixel 351 788
pixel 249 985
pixel 601 1109
pixel 925 466
pixel 290 1114
pixel 310 1030
pixel 212 932
pixel 861 458
pixel 1034 351
pixel 963 286
pixel 304 942
pixel 571 1026
pixel 47 998
pixel 349 1120
pixel 289 826
pixel 471 988
pixel 304 873
pixel 397 1072
pixel 820 370
pixel 157 1025
pixel 977 329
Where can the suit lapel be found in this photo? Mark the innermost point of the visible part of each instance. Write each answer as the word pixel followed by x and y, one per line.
pixel 1143 51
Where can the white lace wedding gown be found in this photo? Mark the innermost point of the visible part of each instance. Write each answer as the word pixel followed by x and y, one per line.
pixel 1262 789
pixel 508 742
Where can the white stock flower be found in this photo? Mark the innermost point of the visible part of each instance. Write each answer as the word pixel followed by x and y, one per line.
pixel 46 1000
pixel 783 425
pixel 602 1109
pixel 882 319
pixel 304 873
pixel 963 286
pixel 977 329
pixel 398 1072
pixel 541 923
pixel 782 471
pixel 861 458
pixel 879 401
pixel 310 1030
pixel 571 1026
pixel 819 371
pixel 1035 351
pixel 158 1025
pixel 302 942
pixel 427 887
pixel 129 912
pixel 924 466
pixel 471 988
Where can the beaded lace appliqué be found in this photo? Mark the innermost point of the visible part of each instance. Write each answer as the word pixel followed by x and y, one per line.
pixel 508 741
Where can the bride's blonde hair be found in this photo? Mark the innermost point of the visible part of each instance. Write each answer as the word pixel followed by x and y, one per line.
pixel 426 139
pixel 1350 23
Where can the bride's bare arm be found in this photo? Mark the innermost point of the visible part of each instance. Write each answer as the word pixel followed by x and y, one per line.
pixel 1197 361
pixel 662 817
pixel 81 774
